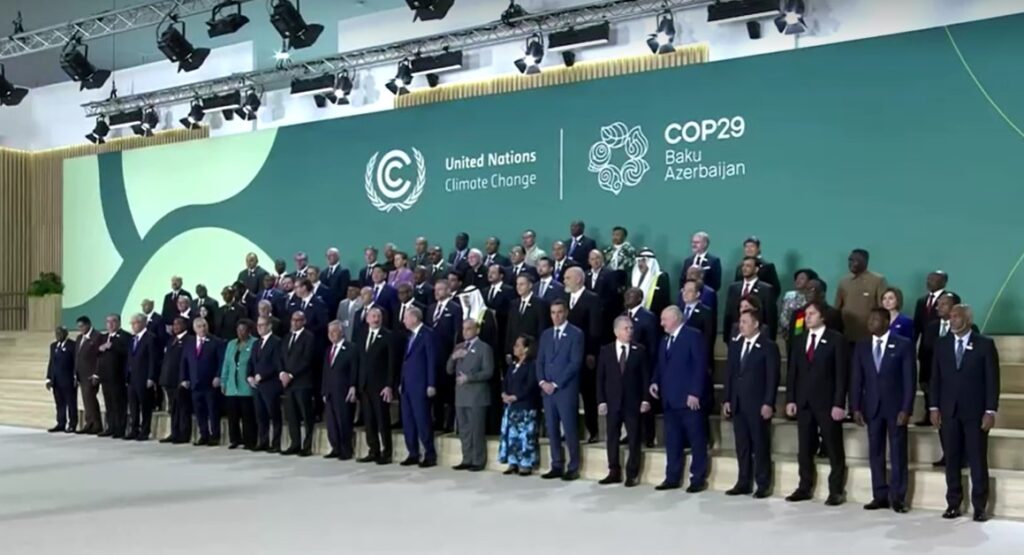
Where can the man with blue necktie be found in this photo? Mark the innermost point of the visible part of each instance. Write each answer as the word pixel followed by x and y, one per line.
pixel 417 387
pixel 547 286
pixel 384 295
pixel 143 373
pixel 680 380
pixel 579 245
pixel 559 360
pixel 882 396
pixel 701 258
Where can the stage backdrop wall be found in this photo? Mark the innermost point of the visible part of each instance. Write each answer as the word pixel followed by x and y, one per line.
pixel 910 146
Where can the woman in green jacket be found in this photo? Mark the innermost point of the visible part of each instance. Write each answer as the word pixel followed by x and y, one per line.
pixel 238 393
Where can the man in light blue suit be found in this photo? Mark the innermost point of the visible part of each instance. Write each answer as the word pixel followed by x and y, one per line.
pixel 680 378
pixel 558 370
pixel 419 369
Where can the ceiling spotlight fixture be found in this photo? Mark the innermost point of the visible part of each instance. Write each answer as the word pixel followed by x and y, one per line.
pixel 178 49
pixel 148 120
pixel 595 35
pixel 569 58
pixel 195 116
pixel 10 95
pixel 403 78
pixel 754 30
pixel 791 20
pixel 250 105
pixel 661 42
pixel 426 10
pixel 512 13
pixel 288 21
pixel 530 63
pixel 320 84
pixel 339 95
pixel 433 80
pixel 220 25
pixel 98 135
pixel 77 66
pixel 445 61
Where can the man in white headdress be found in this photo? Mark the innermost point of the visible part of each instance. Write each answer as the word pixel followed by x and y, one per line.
pixel 647 275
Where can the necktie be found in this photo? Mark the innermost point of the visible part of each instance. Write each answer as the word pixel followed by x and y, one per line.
pixel 593 280
pixel 199 346
pixel 811 347
pixel 522 306
pixel 334 354
pixel 292 340
pixel 369 340
pixel 959 352
pixel 572 301
pixel 746 289
pixel 543 287
pixel 878 355
pixel 490 259
pixel 376 291
pixel 622 359
pixel 305 303
pixel 408 346
pixel 401 314
pixel 686 314
pixel 558 334
pixel 928 305
pixel 746 350
pixel 135 343
pixel 252 273
pixel 668 343
pixel 494 291
pixel 943 328
pixel 437 313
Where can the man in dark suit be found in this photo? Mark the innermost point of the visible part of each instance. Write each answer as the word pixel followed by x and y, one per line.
pixel 646 332
pixel 623 378
pixel 579 244
pixel 559 363
pixel 492 253
pixel 964 401
pixel 460 254
pixel 339 392
pixel 547 287
pixel 229 315
pixel 445 319
pixel 280 272
pixel 86 355
pixel 326 295
pixel 60 379
pixel 751 384
pixel 270 294
pixel 155 323
pixel 384 295
pixel 186 311
pixel 201 358
pixel 406 300
pixel 178 399
pixel 438 268
pixel 264 376
pixel 111 372
pixel 475 272
pixel 607 284
pixel 335 276
pixel 422 288
pixel 253 275
pixel 815 292
pixel 924 310
pixel 680 381
pixel 698 316
pixel 750 286
pixel 301 266
pixel 585 314
pixel 882 394
pixel 704 260
pixel 765 270
pixel 528 314
pixel 517 265
pixel 203 300
pixel 420 255
pixel 366 272
pixel 377 360
pixel 296 376
pixel 560 261
pixel 143 374
pixel 933 331
pixel 171 306
pixel 418 379
pixel 498 294
pixel 816 384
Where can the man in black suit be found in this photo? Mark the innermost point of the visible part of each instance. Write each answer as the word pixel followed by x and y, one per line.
pixel 297 380
pixel 492 253
pixel 445 318
pixel 585 314
pixel 528 314
pixel 229 315
pixel 517 265
pixel 646 332
pixel 924 310
pixel 280 271
pixel 335 276
pixel 437 269
pixel 964 401
pixel 750 286
pixel 366 272
pixel 186 311
pixel 751 384
pixel 264 376
pixel 111 372
pixel 498 297
pixel 475 272
pixel 339 392
pixel 178 399
pixel 422 289
pixel 60 379
pixel 270 294
pixel 698 316
pixel 252 276
pixel 86 357
pixel 579 245
pixel 459 255
pixel 560 261
pixel 932 333
pixel 420 255
pixel 377 360
pixel 301 266
pixel 143 374
pixel 171 305
pixel 406 300
pixel 765 270
pixel 155 323
pixel 202 300
pixel 321 291
pixel 701 258
pixel 816 385
pixel 623 378
pixel 607 285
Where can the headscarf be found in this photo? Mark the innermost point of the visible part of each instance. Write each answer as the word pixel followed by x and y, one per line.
pixel 473 305
pixel 646 282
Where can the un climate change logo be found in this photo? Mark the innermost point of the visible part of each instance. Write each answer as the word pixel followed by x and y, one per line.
pixel 399 194
pixel 632 141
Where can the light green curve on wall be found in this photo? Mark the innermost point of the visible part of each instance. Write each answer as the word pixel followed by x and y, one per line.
pixel 90 258
pixel 208 255
pixel 159 180
pixel 1006 118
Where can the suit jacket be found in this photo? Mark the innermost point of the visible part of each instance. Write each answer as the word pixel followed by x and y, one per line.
pixel 253 281
pixel 200 370
pixel 712 270
pixel 923 316
pixel 477 277
pixel 457 259
pixel 86 355
pixel 276 299
pixel 501 300
pixel 623 388
pixel 580 250
pixel 266 360
pixel 560 361
pixel 397 315
pixel 765 272
pixel 143 361
pixel 555 290
pixel 703 320
pixel 682 368
pixel 532 321
pixel 752 382
pixel 646 333
pixel 822 383
pixel 558 273
pixel 340 376
pixel 521 381
pixel 227 321
pixel 112 365
pixel 170 366
pixel 337 279
pixel 419 259
pixel 377 363
pixel 171 303
pixel 327 295
pixel 423 293
pixel 967 391
pixel 346 314
pixel 926 348
pixel 297 358
pixel 478 367
pixel 387 298
pixel 496 258
pixel 765 293
pixel 366 276
pixel 437 271
pixel 210 303
pixel 61 368
pixel 608 288
pixel 586 315
pixel 315 311
pixel 447 326
pixel 888 390
pixel 419 362
pixel 512 272
pixel 156 325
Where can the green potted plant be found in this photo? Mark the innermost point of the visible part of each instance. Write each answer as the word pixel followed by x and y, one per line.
pixel 44 302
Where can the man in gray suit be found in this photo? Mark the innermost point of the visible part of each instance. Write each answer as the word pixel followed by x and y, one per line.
pixel 472 364
pixel 347 310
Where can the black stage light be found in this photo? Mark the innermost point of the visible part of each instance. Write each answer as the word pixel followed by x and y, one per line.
pixel 338 95
pixel 98 135
pixel 195 116
pixel 220 25
pixel 594 35
pixel 569 58
pixel 742 10
pixel 250 105
pixel 791 20
pixel 403 78
pixel 178 49
pixel 10 94
pixel 288 21
pixel 445 61
pixel 426 10
pixel 754 29
pixel 77 66
pixel 321 84
pixel 530 63
pixel 662 41
pixel 148 122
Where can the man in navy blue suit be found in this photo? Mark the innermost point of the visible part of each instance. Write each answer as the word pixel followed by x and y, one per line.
pixel 298 372
pixel 60 379
pixel 559 360
pixel 200 373
pixel 339 392
pixel 143 374
pixel 334 275
pixel 547 287
pixel 264 376
pixel 269 294
pixel 579 246
pixel 419 372
pixel 384 295
pixel 965 398
pixel 704 260
pixel 882 395
pixel 445 319
pixel 680 379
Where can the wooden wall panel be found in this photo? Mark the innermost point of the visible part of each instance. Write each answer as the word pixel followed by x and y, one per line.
pixel 15 226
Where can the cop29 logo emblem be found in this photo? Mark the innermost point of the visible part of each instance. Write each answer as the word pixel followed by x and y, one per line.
pixel 386 188
pixel 613 177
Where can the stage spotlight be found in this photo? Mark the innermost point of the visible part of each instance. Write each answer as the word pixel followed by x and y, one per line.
pixel 10 95
pixel 403 78
pixel 661 42
pixel 250 105
pixel 77 66
pixel 195 116
pixel 338 95
pixel 569 58
pixel 433 80
pixel 754 30
pixel 427 10
pixel 225 25
pixel 148 121
pixel 530 63
pixel 178 49
pixel 98 135
pixel 791 20
pixel 287 19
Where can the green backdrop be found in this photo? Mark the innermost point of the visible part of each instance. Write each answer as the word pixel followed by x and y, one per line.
pixel 908 145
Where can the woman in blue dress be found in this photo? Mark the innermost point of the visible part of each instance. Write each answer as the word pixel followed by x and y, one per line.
pixel 899 324
pixel 520 393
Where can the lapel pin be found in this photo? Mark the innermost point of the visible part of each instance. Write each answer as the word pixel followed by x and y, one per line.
pixel 970 347
pixel 823 341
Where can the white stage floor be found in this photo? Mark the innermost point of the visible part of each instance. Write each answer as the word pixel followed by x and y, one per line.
pixel 74 494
